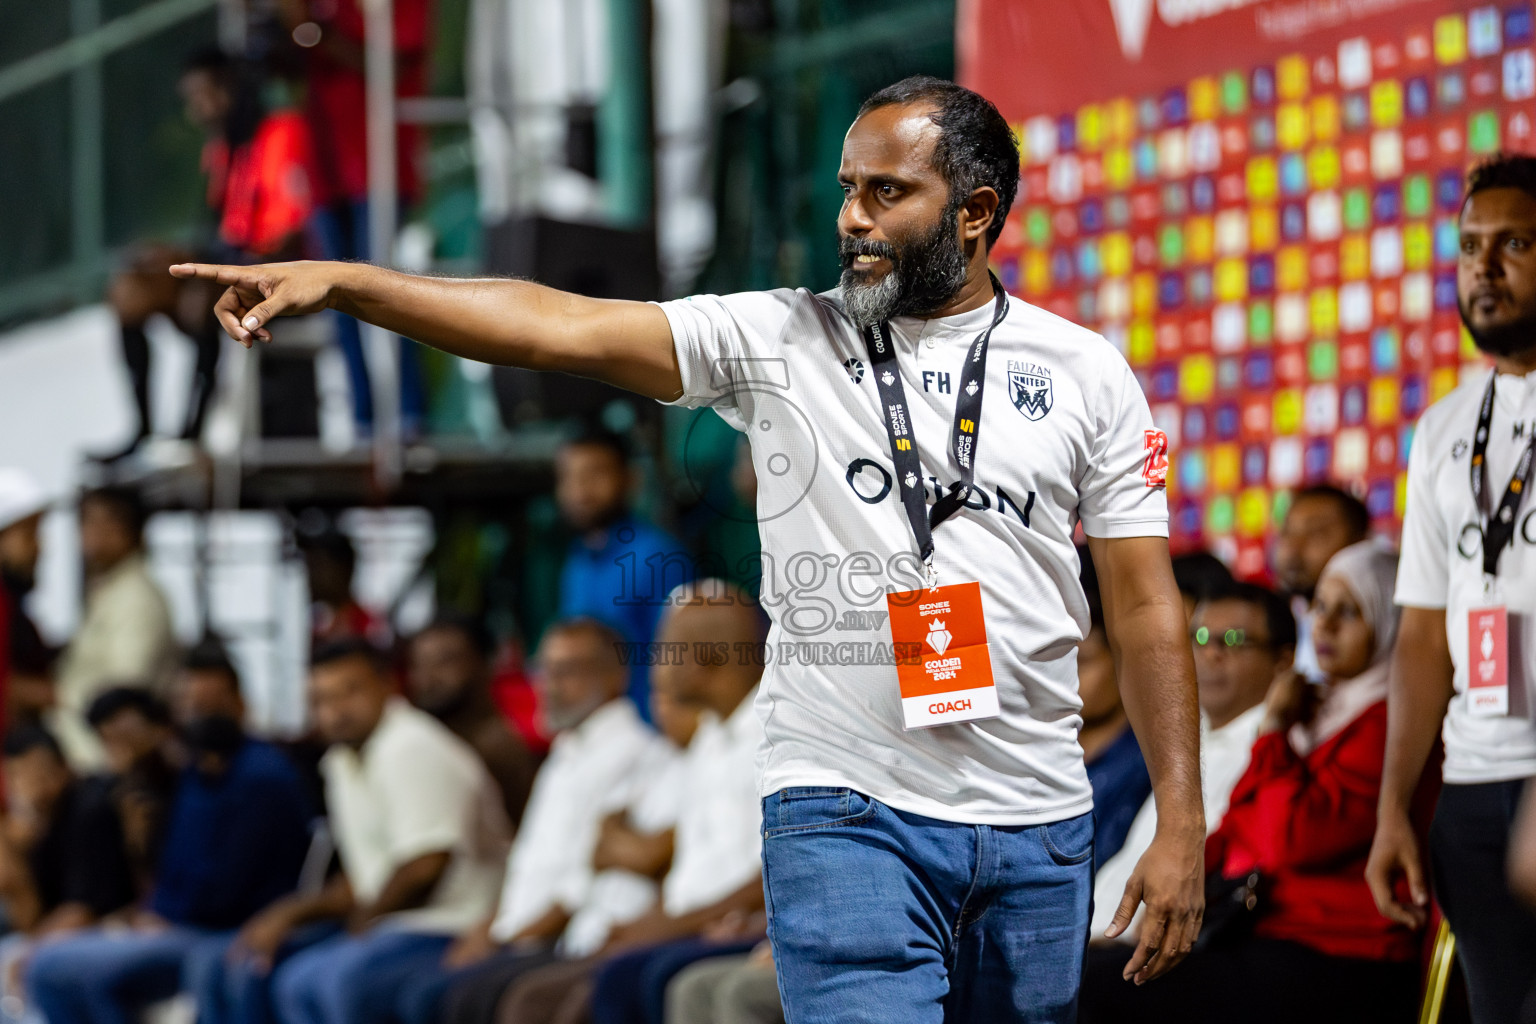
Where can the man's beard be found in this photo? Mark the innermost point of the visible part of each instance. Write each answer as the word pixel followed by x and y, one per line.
pixel 925 273
pixel 1516 337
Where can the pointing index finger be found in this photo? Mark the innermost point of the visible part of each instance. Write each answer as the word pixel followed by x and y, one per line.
pixel 221 273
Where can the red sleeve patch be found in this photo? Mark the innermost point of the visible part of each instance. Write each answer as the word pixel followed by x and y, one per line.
pixel 1154 467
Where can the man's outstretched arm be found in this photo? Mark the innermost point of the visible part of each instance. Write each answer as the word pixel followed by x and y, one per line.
pixel 493 320
pixel 1144 620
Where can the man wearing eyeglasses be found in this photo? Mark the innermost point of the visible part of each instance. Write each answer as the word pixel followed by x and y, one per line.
pixel 1244 639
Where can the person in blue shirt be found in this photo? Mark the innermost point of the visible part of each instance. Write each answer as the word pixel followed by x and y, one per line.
pixel 236 838
pixel 619 569
pixel 1116 769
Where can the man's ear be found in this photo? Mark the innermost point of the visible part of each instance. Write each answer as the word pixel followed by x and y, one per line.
pixel 977 213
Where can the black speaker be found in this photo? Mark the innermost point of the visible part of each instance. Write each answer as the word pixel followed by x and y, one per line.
pixel 588 259
pixel 290 397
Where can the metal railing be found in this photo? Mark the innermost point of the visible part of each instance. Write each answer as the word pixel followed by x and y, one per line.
pixel 82 61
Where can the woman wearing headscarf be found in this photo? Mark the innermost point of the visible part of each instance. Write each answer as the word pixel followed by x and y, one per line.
pixel 1291 930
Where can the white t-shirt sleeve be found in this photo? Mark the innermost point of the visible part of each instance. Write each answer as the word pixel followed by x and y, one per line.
pixel 1118 497
pixel 726 342
pixel 1423 572
pixel 433 800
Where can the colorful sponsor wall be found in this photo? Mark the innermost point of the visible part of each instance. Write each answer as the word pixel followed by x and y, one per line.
pixel 1257 202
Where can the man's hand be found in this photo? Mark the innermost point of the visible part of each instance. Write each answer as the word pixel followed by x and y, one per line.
pixel 1394 853
pixel 1170 880
pixel 253 296
pixel 261 938
pixel 471 947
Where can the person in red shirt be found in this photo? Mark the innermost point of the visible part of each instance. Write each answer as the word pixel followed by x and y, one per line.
pixel 331 33
pixel 259 168
pixel 1301 818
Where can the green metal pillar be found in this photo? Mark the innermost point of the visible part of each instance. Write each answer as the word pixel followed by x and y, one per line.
pixel 624 151
pixel 87 212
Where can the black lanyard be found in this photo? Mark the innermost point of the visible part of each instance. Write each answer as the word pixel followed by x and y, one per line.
pixel 1498 529
pixel 898 426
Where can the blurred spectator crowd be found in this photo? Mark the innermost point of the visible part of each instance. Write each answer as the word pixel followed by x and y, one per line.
pixel 451 842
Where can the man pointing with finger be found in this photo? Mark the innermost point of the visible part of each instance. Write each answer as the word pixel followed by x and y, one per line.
pixel 925 447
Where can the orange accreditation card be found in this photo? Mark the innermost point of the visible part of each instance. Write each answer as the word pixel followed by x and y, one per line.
pixel 943 662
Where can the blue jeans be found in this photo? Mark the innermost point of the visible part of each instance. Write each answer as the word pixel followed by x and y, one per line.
pixel 352 979
pixel 878 916
pixel 234 990
pixel 631 988
pixel 101 977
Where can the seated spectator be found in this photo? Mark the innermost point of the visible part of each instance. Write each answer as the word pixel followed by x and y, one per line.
pixel 421 835
pixel 449 678
pixel 1244 638
pixel 134 727
pixel 1116 769
pixel 1322 521
pixel 125 632
pixel 619 568
pixel 24 658
pixel 1301 818
pixel 62 860
pixel 63 865
pixel 712 897
pixel 600 748
pixel 235 839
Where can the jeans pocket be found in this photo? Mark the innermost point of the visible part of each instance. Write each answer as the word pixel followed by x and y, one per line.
pixel 809 808
pixel 1069 842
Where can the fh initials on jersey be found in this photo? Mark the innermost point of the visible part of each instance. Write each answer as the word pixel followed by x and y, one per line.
pixel 934 380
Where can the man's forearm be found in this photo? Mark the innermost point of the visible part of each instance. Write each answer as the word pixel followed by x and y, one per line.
pixel 1420 689
pixel 410 885
pixel 1156 675
pixel 333 901
pixel 503 321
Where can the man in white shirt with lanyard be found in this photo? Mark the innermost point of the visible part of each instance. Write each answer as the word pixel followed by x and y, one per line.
pixel 927 817
pixel 1465 666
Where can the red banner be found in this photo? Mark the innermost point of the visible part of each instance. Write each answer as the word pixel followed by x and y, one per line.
pixel 1256 200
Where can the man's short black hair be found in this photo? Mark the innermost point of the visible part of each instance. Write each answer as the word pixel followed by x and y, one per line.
pixel 123 504
pixel 1356 516
pixel 1504 170
pixel 21 740
pixel 113 702
pixel 469 627
pixel 349 647
pixel 975 147
pixel 210 655
pixel 1200 572
pixel 597 436
pixel 1277 611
